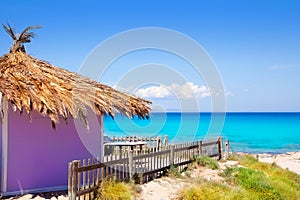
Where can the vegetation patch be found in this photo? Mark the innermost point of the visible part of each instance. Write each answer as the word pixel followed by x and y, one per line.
pixel 174 172
pixel 204 190
pixel 207 162
pixel 254 180
pixel 110 189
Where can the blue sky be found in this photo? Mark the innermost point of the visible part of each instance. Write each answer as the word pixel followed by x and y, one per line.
pixel 255 45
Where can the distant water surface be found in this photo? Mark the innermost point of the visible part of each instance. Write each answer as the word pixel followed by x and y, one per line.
pixel 247 132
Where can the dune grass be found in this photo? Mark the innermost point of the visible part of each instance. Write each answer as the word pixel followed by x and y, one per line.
pixel 174 172
pixel 205 190
pixel 207 162
pixel 255 180
pixel 110 189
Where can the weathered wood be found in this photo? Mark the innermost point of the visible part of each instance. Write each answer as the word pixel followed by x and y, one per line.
pixel 130 163
pixel 147 163
pixel 209 143
pixel 220 141
pixel 172 148
pixel 89 174
pixel 151 154
pixel 70 181
pixel 75 165
pixel 87 168
pixel 226 149
pixel 4 144
pixel 86 191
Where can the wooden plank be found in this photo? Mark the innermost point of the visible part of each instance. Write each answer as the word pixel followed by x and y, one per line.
pixel 86 191
pixel 75 165
pixel 4 145
pixel 94 162
pixel 220 145
pixel 89 175
pixel 130 165
pixel 84 186
pixel 113 162
pixel 209 144
pixel 186 148
pixel 98 173
pixel 87 168
pixel 70 176
pixel 151 154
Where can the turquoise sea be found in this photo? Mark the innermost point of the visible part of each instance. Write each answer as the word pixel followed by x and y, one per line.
pixel 247 132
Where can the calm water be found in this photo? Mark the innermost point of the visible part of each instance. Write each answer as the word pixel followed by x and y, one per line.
pixel 247 132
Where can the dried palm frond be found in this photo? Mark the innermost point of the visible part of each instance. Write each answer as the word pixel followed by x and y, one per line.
pixel 24 37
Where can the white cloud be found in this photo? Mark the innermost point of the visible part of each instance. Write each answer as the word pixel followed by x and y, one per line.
pixel 153 92
pixel 187 91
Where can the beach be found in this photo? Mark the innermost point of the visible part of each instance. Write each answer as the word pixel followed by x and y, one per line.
pixel 168 188
pixel 289 160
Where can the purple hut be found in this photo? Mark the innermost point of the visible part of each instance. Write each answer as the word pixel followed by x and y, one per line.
pixel 49 117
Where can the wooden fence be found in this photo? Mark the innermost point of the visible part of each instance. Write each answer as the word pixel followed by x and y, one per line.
pixel 157 141
pixel 142 166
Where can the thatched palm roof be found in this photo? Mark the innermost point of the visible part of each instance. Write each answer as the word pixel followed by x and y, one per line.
pixel 32 84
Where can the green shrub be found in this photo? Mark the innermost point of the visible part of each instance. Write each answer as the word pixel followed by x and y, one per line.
pixel 258 183
pixel 110 189
pixel 233 157
pixel 207 162
pixel 255 180
pixel 205 190
pixel 285 181
pixel 229 174
pixel 174 172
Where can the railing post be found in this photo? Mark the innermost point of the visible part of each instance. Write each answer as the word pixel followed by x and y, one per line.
pixel 226 149
pixel 166 141
pixel 130 163
pixel 220 147
pixel 172 154
pixel 72 178
pixel 158 144
pixel 200 147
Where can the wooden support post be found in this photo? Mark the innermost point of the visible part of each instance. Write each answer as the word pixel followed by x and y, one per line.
pixel 4 145
pixel 166 141
pixel 130 163
pixel 172 153
pixel 120 152
pixel 158 145
pixel 70 176
pixel 226 149
pixel 75 165
pixel 220 147
pixel 200 148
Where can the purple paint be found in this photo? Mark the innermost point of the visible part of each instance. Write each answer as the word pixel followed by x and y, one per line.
pixel 0 151
pixel 38 155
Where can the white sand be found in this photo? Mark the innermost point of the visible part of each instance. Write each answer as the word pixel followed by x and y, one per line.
pixel 290 160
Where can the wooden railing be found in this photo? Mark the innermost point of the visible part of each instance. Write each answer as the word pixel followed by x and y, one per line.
pixel 142 166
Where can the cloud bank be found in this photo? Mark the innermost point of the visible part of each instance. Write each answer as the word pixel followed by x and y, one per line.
pixel 186 91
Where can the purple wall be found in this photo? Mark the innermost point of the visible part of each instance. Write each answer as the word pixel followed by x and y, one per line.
pixel 0 151
pixel 38 155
